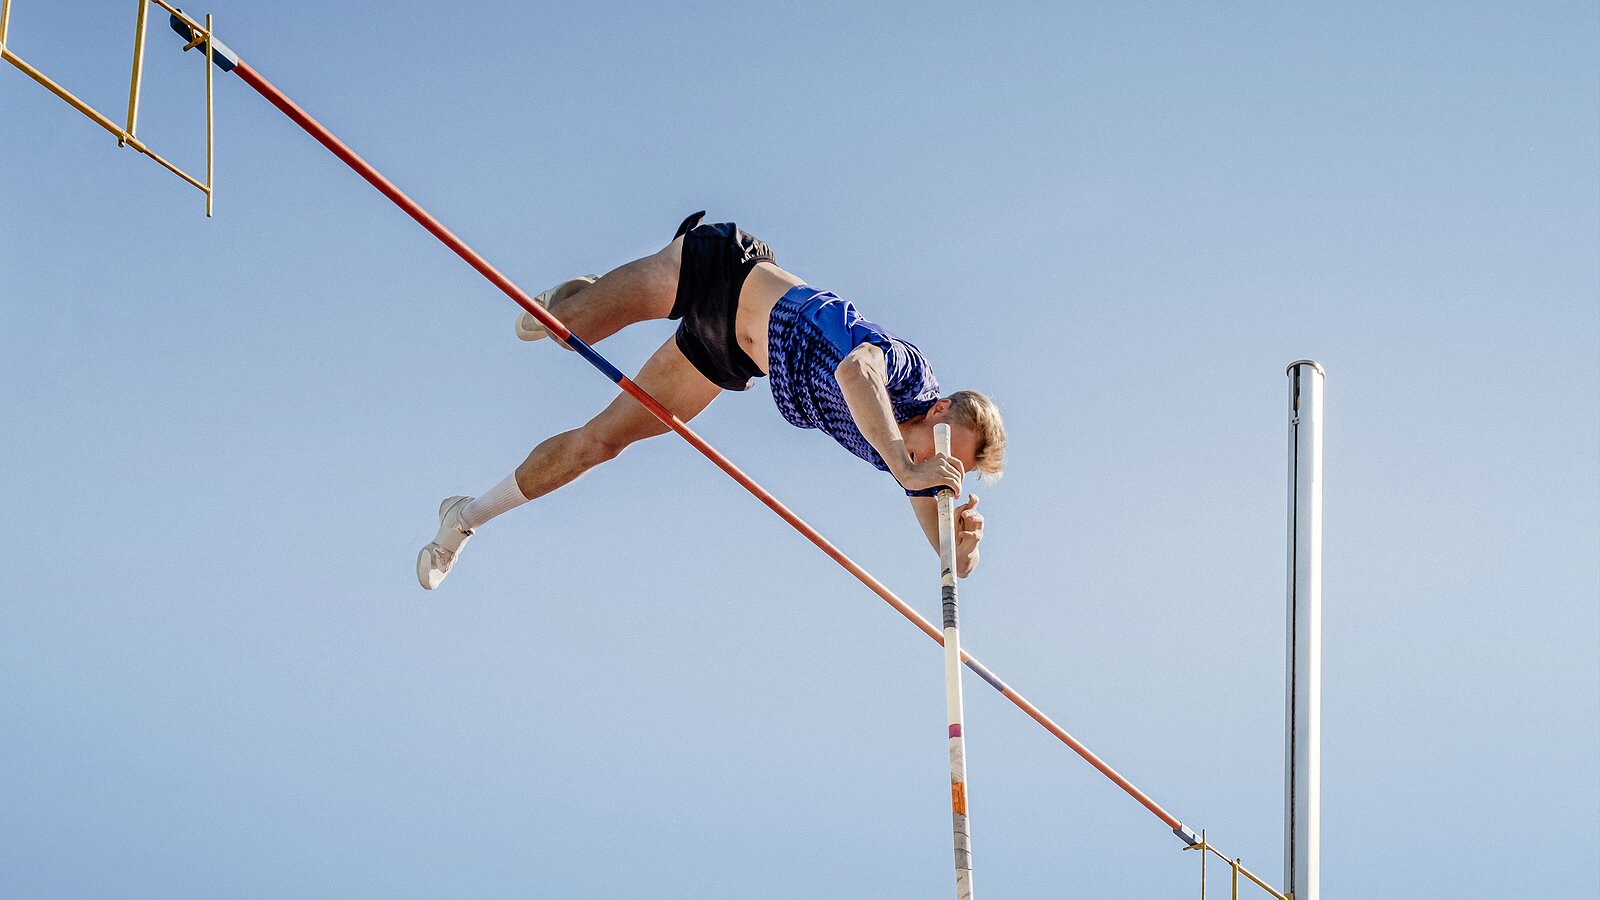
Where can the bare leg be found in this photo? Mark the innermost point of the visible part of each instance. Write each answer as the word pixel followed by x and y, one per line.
pixel 639 290
pixel 634 292
pixel 668 377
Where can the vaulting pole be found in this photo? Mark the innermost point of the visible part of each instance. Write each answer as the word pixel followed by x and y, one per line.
pixel 954 713
pixel 229 61
pixel 1302 788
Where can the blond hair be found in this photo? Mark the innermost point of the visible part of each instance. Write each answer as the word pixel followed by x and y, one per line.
pixel 977 412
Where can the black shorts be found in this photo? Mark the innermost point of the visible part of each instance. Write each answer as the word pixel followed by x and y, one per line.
pixel 716 260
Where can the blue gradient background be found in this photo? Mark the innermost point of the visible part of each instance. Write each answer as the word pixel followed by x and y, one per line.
pixel 224 442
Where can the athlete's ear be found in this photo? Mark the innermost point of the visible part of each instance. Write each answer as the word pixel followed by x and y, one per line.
pixel 940 407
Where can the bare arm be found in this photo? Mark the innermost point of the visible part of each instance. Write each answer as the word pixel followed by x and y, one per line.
pixel 864 381
pixel 969 529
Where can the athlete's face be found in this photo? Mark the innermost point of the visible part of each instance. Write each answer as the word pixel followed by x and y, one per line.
pixel 919 438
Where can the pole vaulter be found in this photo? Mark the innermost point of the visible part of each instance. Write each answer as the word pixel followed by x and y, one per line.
pixel 228 61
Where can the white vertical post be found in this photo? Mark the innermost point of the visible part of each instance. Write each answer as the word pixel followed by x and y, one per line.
pixel 952 680
pixel 1302 805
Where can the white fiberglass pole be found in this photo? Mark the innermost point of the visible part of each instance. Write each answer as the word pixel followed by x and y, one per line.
pixel 1302 806
pixel 952 679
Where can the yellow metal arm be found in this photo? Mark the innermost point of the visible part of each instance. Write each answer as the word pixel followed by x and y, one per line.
pixel 125 135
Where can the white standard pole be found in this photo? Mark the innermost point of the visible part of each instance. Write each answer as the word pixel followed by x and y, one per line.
pixel 1302 805
pixel 952 679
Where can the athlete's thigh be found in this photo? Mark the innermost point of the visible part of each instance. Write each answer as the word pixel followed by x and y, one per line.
pixel 673 381
pixel 637 291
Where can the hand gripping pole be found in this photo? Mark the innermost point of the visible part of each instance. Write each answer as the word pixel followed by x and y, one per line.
pixel 560 332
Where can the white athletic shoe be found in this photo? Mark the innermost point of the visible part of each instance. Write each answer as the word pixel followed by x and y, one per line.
pixel 435 560
pixel 528 328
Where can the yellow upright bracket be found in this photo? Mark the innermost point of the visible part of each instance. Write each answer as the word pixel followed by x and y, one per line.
pixel 1236 866
pixel 125 135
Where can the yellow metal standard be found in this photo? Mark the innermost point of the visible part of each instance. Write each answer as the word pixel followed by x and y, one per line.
pixel 211 154
pixel 126 135
pixel 1237 868
pixel 138 68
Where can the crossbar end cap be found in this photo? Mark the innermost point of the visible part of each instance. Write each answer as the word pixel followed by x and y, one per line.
pixel 1188 835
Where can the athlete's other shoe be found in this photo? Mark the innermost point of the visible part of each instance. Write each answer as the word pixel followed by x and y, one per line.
pixel 528 328
pixel 435 560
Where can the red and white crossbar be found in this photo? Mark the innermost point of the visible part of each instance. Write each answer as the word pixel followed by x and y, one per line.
pixel 229 61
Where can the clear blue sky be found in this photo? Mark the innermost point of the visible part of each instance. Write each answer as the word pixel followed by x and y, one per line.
pixel 224 442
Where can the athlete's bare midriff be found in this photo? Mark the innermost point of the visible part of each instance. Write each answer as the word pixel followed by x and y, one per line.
pixel 762 290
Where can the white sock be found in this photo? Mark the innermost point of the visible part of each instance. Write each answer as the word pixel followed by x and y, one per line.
pixel 501 498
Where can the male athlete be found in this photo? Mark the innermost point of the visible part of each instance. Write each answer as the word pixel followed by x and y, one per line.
pixel 742 317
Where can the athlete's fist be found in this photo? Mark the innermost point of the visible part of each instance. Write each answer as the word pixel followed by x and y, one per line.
pixel 938 471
